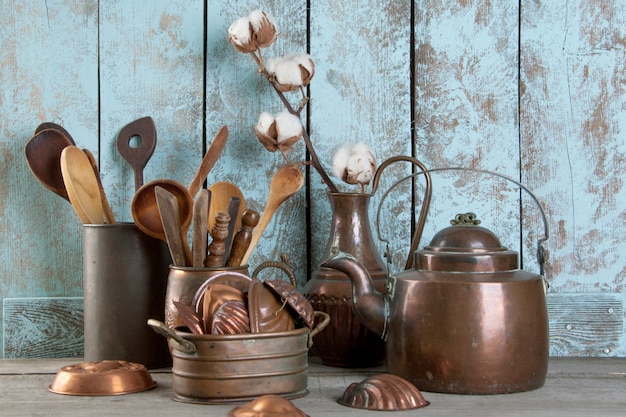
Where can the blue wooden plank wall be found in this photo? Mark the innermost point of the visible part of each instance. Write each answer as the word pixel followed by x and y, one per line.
pixel 531 90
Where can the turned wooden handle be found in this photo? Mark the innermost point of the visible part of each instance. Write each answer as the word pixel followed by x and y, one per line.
pixel 241 241
pixel 219 234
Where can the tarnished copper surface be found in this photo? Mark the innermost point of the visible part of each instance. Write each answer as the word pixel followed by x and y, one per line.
pixel 295 300
pixel 214 296
pixel 347 342
pixel 107 377
pixel 183 283
pixel 474 331
pixel 384 392
pixel 190 318
pixel 231 318
pixel 267 406
pixel 465 247
pixel 268 314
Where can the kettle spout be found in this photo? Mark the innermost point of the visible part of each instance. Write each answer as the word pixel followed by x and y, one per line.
pixel 369 305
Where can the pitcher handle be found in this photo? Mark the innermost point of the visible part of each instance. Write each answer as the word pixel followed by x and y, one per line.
pixel 542 254
pixel 419 227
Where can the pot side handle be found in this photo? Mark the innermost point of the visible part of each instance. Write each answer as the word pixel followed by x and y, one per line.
pixel 178 343
pixel 325 319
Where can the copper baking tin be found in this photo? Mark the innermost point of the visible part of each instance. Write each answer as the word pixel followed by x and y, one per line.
pixel 384 392
pixel 108 377
pixel 267 406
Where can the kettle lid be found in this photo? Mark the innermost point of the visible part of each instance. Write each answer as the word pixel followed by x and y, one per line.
pixel 466 247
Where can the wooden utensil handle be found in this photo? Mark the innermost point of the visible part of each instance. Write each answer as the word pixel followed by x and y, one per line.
pixel 219 234
pixel 241 241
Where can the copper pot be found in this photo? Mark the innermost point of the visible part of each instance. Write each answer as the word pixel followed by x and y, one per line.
pixel 465 320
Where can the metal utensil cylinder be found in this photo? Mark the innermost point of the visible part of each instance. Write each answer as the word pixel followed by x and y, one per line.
pixel 124 281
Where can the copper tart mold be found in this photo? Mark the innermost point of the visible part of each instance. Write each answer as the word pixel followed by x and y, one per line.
pixel 108 377
pixel 384 392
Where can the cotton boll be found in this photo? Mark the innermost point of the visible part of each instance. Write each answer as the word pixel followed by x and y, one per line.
pixel 265 122
pixel 285 71
pixel 340 161
pixel 240 35
pixel 359 169
pixel 354 164
pixel 263 27
pixel 304 60
pixel 288 126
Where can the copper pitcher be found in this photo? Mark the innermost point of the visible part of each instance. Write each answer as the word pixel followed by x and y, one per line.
pixel 465 320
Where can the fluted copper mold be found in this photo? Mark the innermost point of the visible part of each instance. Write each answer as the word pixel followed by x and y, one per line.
pixel 108 377
pixel 267 406
pixel 231 318
pixel 384 392
pixel 232 279
pixel 294 299
pixel 267 313
pixel 214 296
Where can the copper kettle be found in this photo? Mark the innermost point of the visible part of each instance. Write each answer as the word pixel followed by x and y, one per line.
pixel 465 319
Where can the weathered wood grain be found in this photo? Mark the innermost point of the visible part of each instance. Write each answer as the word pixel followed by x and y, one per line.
pixel 43 327
pixel 466 110
pixel 49 60
pixel 586 324
pixel 361 93
pixel 580 325
pixel 236 95
pixel 532 90
pixel 151 63
pixel 573 68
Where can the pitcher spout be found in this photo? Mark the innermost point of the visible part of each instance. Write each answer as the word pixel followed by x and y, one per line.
pixel 370 306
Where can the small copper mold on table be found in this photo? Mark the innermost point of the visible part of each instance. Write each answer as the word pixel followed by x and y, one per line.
pixel 267 406
pixel 107 377
pixel 384 392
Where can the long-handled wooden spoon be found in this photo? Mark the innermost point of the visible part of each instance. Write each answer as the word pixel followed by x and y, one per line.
pixel 139 155
pixel 43 155
pixel 108 212
pixel 82 185
pixel 144 207
pixel 221 194
pixel 286 182
pixel 59 128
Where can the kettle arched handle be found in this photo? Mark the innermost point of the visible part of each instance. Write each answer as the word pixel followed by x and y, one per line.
pixel 541 251
pixel 419 227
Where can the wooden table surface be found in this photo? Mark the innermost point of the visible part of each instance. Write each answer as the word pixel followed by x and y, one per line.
pixel 574 387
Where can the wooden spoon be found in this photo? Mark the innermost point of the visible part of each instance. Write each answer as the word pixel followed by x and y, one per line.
pixel 82 185
pixel 137 156
pixel 200 234
pixel 286 182
pixel 144 206
pixel 221 194
pixel 59 128
pixel 167 204
pixel 43 155
pixel 108 212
